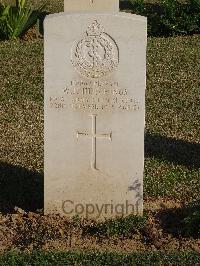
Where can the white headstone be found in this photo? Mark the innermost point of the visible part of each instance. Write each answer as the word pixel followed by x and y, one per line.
pixel 91 5
pixel 95 78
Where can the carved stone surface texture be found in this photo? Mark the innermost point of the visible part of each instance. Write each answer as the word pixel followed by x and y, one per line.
pixel 96 54
pixel 95 79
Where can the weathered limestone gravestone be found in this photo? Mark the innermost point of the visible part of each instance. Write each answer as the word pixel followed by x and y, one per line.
pixel 91 5
pixel 95 79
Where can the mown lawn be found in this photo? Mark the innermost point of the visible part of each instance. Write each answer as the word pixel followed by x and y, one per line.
pixel 100 259
pixel 172 163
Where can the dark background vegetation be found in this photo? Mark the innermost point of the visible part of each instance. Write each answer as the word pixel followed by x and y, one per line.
pixel 165 17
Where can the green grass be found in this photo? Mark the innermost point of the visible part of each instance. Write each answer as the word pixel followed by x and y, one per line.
pixel 173 115
pixel 96 258
pixel 172 164
pixel 191 221
pixel 121 227
pixel 22 71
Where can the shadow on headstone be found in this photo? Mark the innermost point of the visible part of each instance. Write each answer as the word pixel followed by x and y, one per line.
pixel 178 152
pixel 20 187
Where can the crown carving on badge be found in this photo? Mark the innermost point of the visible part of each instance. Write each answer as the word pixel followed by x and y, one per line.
pixel 95 29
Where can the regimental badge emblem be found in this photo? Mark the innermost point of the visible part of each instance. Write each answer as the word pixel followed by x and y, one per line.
pixel 97 54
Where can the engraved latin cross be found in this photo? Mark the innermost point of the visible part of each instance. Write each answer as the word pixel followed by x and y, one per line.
pixel 94 136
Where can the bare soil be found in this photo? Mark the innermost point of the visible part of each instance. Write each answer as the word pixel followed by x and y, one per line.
pixel 22 231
